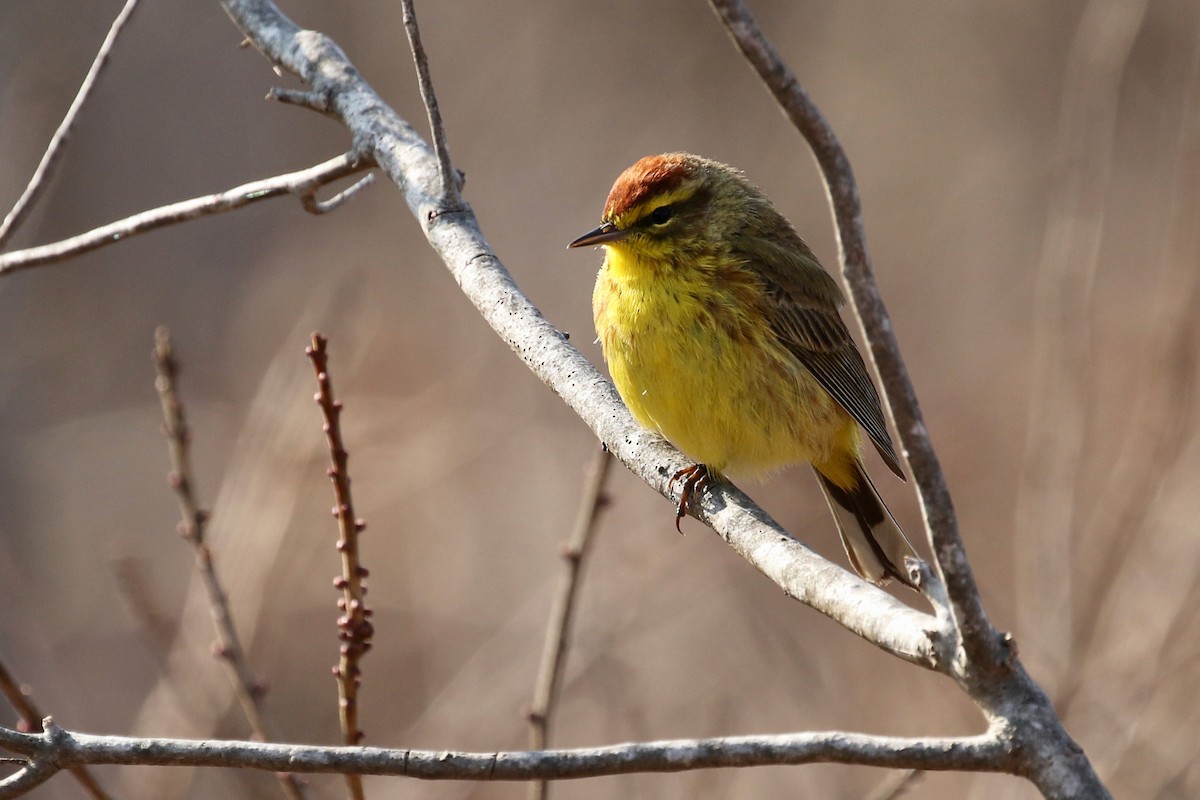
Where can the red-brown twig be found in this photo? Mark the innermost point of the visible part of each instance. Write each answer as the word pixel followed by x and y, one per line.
pixel 40 175
pixel 558 630
pixel 30 720
pixel 249 691
pixel 354 627
pixel 302 183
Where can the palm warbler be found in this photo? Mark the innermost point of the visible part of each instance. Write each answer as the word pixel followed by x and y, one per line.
pixel 721 331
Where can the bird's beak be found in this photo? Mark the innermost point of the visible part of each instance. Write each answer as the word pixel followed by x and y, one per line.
pixel 605 233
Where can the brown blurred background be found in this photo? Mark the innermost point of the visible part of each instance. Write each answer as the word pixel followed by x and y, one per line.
pixel 1039 260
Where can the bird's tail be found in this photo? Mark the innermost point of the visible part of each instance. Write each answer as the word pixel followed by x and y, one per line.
pixel 874 542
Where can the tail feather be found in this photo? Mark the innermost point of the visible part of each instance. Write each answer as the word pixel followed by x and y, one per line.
pixel 873 540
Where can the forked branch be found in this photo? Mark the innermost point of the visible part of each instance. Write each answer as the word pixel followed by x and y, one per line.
pixel 30 718
pixel 453 232
pixel 303 183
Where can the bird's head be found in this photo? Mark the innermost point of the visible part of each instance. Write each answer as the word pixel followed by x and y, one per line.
pixel 672 205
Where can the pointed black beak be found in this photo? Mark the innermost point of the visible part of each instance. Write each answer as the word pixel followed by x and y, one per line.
pixel 605 233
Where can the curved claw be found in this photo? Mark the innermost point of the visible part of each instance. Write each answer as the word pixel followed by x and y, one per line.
pixel 695 479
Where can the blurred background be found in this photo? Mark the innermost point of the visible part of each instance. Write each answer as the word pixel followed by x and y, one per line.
pixel 1031 180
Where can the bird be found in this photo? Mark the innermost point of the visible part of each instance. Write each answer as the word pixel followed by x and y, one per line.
pixel 721 331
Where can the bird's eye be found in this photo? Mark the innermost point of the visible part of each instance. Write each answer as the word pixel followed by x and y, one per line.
pixel 660 215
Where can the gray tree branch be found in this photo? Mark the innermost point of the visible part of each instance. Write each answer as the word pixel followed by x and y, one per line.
pixel 61 749
pixel 302 183
pixel 54 150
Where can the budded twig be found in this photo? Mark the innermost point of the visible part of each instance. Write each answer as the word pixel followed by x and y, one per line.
pixel 558 630
pixel 193 520
pixel 354 626
pixel 30 720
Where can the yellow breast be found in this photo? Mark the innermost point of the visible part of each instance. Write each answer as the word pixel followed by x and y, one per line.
pixel 692 355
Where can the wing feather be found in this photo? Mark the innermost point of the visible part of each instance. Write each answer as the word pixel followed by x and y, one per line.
pixel 804 315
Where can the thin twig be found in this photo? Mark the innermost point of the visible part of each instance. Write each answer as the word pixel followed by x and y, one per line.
pixel 436 128
pixel 191 527
pixel 316 207
pixel 54 150
pixel 983 753
pixel 133 584
pixel 29 719
pixel 303 183
pixel 895 785
pixel 29 777
pixel 297 97
pixel 28 715
pixel 354 625
pixel 558 630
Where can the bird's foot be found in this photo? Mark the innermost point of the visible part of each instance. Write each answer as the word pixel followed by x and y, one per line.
pixel 695 478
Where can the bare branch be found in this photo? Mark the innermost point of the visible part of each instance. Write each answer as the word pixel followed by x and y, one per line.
pixel 558 630
pixel 294 97
pixel 985 753
pixel 314 206
pixel 455 236
pixel 436 129
pixel 44 168
pixel 30 720
pixel 27 778
pixel 987 667
pixel 354 627
pixel 249 691
pixel 899 394
pixel 303 183
pixel 28 714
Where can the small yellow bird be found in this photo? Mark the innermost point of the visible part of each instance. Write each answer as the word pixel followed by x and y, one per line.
pixel 721 332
